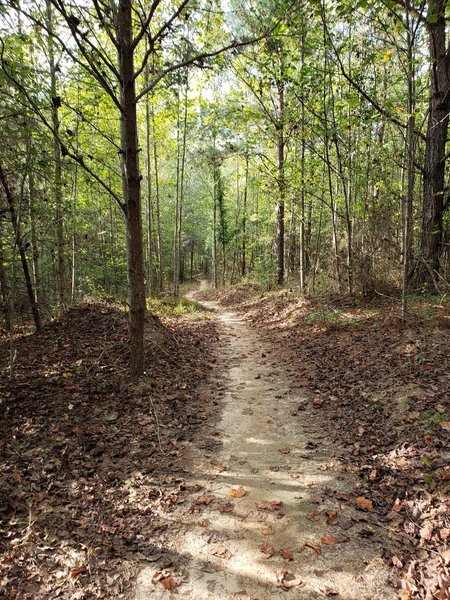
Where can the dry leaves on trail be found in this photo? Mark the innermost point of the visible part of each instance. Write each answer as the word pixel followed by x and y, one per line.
pixel 364 504
pixel 332 517
pixel 267 549
pixel 270 505
pixel 284 450
pixel 167 579
pixel 312 516
pixel 328 540
pixel 267 531
pixel 204 499
pixel 288 580
pixel 286 553
pixel 237 492
pixel 221 552
pixel 317 549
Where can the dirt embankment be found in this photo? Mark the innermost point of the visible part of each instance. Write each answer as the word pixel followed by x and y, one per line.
pixel 89 461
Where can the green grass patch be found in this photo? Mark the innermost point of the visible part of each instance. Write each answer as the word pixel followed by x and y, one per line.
pixel 170 306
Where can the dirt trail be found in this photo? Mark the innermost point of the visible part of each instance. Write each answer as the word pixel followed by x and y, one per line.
pixel 274 451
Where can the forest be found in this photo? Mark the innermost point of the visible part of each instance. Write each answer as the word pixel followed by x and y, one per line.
pixel 217 208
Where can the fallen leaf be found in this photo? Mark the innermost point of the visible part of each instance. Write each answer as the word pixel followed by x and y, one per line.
pixel 226 507
pixel 267 531
pixel 364 504
pixel 288 580
pixel 312 516
pixel 237 492
pixel 397 562
pixel 287 554
pixel 206 500
pixel 171 583
pixel 267 549
pixel 328 540
pixel 221 552
pixel 203 522
pixel 78 570
pixel 426 532
pixel 328 591
pixel 444 533
pixel 270 505
pixel 332 517
pixel 284 450
pixel 317 549
pixel 445 425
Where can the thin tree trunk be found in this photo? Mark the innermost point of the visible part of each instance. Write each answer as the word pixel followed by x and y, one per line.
pixel 158 211
pixel 410 158
pixel 58 184
pixel 131 183
pixel 33 235
pixel 22 252
pixel 149 208
pixel 244 219
pixel 281 186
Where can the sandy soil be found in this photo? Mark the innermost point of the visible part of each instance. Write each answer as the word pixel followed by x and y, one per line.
pixel 296 493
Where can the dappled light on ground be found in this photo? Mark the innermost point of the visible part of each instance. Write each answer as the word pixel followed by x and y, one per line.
pixel 273 510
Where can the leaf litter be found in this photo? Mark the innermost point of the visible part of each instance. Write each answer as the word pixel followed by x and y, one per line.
pixel 83 482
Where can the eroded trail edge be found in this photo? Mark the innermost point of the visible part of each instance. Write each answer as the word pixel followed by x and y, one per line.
pixel 269 513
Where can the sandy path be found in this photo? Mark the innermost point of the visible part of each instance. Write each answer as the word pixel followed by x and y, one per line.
pixel 272 450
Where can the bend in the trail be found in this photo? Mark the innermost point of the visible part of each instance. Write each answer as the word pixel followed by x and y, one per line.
pixel 296 515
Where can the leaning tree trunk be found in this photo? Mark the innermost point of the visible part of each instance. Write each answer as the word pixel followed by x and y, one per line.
pixel 131 183
pixel 438 119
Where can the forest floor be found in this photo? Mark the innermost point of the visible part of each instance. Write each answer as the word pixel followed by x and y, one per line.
pixel 304 454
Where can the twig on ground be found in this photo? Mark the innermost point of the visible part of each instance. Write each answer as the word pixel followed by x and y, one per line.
pixel 157 424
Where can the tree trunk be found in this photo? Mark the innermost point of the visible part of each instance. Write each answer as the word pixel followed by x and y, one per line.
pixel 281 187
pixel 131 184
pixel 410 158
pixel 157 207
pixel 244 220
pixel 438 119
pixel 22 252
pixel 4 287
pixel 58 184
pixel 149 208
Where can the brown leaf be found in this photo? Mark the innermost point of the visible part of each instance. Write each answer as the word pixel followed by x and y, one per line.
pixel 287 554
pixel 288 580
pixel 237 492
pixel 206 500
pixel 270 505
pixel 171 583
pixel 426 532
pixel 445 425
pixel 203 522
pixel 267 531
pixel 328 591
pixel 221 552
pixel 284 450
pixel 397 562
pixel 312 516
pixel 444 533
pixel 328 540
pixel 267 549
pixel 364 504
pixel 226 507
pixel 332 517
pixel 78 570
pixel 317 549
